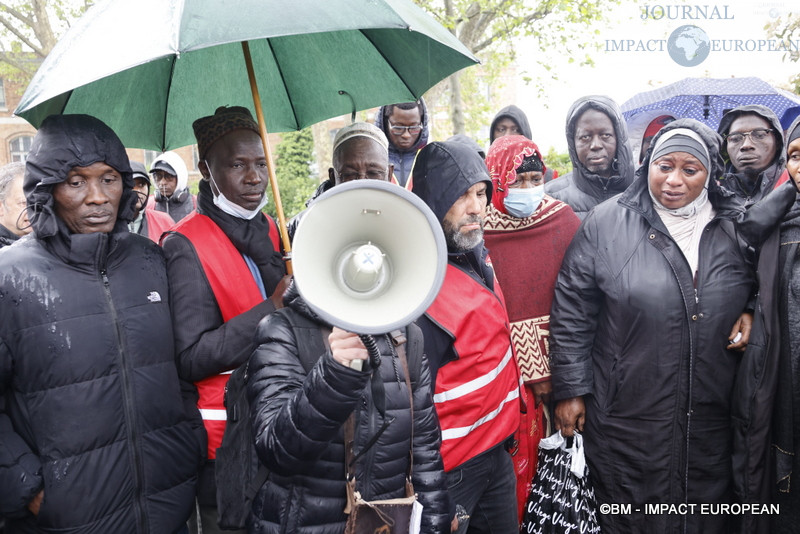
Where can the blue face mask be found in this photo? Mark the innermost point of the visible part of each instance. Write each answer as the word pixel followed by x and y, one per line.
pixel 522 203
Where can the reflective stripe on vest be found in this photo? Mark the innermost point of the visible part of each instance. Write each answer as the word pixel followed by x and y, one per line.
pixel 476 395
pixel 235 291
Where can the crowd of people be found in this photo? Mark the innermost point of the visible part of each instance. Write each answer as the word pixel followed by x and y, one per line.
pixel 646 300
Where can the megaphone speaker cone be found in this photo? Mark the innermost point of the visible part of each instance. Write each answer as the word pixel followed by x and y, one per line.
pixel 369 256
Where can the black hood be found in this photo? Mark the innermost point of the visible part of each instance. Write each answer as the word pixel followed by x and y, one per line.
pixel 792 219
pixel 516 115
pixel 64 142
pixel 766 114
pixel 383 124
pixel 622 166
pixel 446 170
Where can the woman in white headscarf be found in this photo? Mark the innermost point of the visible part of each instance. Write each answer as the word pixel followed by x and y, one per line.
pixel 642 352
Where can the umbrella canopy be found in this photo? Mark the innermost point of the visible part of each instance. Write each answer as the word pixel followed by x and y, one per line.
pixel 148 68
pixel 707 99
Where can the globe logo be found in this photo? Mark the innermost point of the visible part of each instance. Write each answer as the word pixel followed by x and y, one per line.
pixel 688 46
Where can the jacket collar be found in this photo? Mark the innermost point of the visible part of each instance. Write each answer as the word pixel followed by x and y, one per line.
pixel 637 198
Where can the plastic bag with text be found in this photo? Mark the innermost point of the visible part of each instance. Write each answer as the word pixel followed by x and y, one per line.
pixel 561 499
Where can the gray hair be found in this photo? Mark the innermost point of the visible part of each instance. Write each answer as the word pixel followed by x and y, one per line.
pixel 8 173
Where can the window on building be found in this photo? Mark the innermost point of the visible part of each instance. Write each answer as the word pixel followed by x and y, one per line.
pixel 19 147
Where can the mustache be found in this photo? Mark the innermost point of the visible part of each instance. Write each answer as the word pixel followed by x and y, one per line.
pixel 472 219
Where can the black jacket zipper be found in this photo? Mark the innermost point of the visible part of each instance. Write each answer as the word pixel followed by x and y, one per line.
pixel 127 403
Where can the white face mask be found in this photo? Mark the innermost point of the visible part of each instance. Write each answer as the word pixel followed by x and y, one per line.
pixel 231 208
pixel 522 202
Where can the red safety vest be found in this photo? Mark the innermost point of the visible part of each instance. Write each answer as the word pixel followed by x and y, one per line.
pixel 477 395
pixel 158 222
pixel 236 292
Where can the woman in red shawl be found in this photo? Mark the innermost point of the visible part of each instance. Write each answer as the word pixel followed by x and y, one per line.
pixel 527 234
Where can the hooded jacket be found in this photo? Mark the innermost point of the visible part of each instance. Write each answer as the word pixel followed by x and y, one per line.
pixel 581 189
pixel 444 172
pixel 92 412
pixel 182 202
pixel 767 179
pixel 645 344
pixel 515 114
pixel 775 398
pixel 297 423
pixel 403 160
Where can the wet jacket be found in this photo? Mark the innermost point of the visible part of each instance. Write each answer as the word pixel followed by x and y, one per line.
pixel 91 408
pixel 646 347
pixel 298 417
pixel 581 189
pixel 767 179
pixel 403 161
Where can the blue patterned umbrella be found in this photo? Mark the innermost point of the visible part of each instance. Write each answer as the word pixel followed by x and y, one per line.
pixel 707 99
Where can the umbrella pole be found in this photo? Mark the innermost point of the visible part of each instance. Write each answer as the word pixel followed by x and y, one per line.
pixel 273 180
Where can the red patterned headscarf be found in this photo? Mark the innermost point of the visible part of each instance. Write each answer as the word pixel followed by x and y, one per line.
pixel 505 155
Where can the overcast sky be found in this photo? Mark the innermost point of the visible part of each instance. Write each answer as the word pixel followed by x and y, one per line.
pixel 621 75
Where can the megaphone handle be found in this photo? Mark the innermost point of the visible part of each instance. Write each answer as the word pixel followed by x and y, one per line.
pixel 372 347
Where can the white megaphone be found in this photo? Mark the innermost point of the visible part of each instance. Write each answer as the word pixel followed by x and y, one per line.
pixel 369 257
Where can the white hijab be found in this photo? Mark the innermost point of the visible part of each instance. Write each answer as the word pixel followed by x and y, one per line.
pixel 685 224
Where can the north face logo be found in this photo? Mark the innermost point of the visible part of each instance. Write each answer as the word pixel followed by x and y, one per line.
pixel 154 296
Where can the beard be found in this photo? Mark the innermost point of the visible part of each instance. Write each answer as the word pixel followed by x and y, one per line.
pixel 458 241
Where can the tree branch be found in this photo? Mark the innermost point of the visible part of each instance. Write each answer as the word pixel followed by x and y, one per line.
pixel 28 21
pixel 21 36
pixel 5 58
pixel 536 15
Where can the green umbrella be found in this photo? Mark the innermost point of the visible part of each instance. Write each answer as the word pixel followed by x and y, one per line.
pixel 149 68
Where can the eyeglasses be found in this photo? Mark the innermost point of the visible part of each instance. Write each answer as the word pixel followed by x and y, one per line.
pixel 400 130
pixel 757 136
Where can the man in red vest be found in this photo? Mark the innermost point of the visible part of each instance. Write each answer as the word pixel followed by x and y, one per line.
pixel 468 344
pixel 146 222
pixel 225 271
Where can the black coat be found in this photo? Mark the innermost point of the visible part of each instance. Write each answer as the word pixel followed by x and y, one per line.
pixel 90 401
pixel 581 189
pixel 205 344
pixel 297 420
pixel 748 190
pixel 646 346
pixel 6 236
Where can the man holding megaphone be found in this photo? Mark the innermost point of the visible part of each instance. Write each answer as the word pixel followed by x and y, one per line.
pixel 468 343
pixel 307 380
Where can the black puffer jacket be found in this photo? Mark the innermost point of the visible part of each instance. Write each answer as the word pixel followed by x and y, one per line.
pixel 91 408
pixel 298 418
pixel 746 189
pixel 632 332
pixel 581 189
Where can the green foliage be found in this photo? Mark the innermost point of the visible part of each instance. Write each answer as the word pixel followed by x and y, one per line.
pixel 558 161
pixel 294 157
pixel 787 29
pixel 29 29
pixel 491 29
